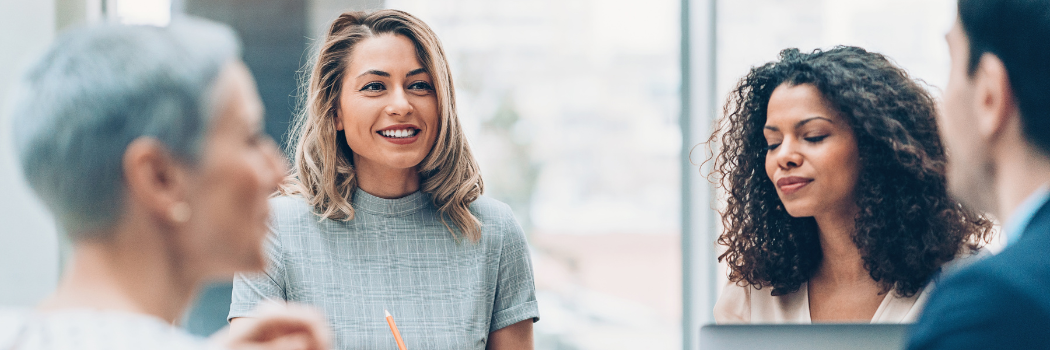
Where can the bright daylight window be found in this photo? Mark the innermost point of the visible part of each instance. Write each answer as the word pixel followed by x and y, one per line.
pixel 153 12
pixel 572 109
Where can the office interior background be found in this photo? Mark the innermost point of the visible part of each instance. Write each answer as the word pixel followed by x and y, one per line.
pixel 587 117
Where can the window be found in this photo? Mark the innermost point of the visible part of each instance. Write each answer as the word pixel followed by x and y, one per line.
pixel 572 110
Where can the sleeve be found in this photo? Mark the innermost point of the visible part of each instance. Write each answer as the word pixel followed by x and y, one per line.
pixel 733 305
pixel 515 298
pixel 249 289
pixel 978 308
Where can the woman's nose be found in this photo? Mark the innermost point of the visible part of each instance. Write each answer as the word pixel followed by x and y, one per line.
pixel 399 104
pixel 788 155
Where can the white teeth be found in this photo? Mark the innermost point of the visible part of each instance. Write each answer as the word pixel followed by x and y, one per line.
pixel 403 133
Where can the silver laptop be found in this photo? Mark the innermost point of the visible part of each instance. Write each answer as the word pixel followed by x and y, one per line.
pixel 798 336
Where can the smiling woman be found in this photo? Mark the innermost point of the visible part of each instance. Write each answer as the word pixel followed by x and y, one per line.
pixel 837 207
pixel 388 112
pixel 383 209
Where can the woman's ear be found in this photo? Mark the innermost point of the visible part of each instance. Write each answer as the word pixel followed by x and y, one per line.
pixel 338 121
pixel 994 102
pixel 156 181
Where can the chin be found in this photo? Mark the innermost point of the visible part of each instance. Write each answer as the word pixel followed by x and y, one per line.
pixel 258 263
pixel 798 211
pixel 404 163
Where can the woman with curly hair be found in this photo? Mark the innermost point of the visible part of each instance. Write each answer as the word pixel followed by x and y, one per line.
pixel 383 209
pixel 837 208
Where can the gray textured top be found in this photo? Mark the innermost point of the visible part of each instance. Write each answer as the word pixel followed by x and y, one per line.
pixel 397 255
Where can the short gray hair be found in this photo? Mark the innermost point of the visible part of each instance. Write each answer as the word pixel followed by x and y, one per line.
pixel 95 91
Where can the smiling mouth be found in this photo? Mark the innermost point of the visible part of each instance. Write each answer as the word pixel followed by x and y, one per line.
pixel 792 184
pixel 398 133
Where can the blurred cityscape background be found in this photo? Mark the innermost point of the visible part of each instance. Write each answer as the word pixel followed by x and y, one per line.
pixel 573 108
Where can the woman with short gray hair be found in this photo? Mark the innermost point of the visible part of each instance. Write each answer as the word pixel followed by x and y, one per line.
pixel 146 145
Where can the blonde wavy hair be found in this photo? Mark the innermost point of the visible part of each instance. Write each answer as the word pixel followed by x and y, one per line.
pixel 323 172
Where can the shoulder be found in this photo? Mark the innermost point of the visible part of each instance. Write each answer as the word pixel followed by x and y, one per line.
pixel 103 330
pixel 734 304
pixel 292 206
pixel 493 214
pixel 486 207
pixel 1000 298
pixel 967 280
pixel 11 323
pixel 1017 268
pixel 962 260
pixel 293 216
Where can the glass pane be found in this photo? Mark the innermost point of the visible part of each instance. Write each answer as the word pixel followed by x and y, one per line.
pixel 910 32
pixel 572 109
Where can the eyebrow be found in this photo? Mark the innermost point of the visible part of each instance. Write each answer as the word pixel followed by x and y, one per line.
pixel 387 75
pixel 800 123
pixel 416 71
pixel 375 72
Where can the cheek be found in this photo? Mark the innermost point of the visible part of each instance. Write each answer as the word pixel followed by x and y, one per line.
pixel 357 128
pixel 430 115
pixel 847 165
pixel 771 165
pixel 239 187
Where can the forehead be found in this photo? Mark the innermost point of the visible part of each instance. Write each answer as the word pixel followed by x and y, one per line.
pixel 390 51
pixel 237 102
pixel 792 103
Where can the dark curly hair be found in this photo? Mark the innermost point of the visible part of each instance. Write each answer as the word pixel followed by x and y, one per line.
pixel 907 226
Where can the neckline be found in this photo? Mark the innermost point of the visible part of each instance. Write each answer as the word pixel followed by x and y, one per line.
pixel 875 318
pixel 366 202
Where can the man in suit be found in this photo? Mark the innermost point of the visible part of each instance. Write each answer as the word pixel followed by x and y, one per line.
pixel 996 126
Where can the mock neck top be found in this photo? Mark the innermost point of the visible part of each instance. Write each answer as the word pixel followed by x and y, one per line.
pixel 396 254
pixel 412 203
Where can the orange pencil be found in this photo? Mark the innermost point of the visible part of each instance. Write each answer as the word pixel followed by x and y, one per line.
pixel 393 329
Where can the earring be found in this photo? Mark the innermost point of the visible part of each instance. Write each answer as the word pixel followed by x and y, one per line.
pixel 180 212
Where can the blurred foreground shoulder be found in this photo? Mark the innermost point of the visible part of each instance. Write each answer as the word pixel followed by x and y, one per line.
pixel 994 303
pixel 95 330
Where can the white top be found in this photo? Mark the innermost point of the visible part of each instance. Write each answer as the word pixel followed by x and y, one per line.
pixel 92 330
pixel 739 304
pixel 746 304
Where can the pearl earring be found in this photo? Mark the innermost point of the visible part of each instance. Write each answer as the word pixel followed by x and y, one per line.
pixel 180 212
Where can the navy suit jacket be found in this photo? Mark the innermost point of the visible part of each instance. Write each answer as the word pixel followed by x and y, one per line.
pixel 1002 302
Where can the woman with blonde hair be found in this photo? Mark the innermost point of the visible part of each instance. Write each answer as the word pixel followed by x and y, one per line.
pixel 383 209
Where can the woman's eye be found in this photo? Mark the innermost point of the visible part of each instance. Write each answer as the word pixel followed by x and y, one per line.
pixel 421 85
pixel 815 139
pixel 772 146
pixel 374 86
